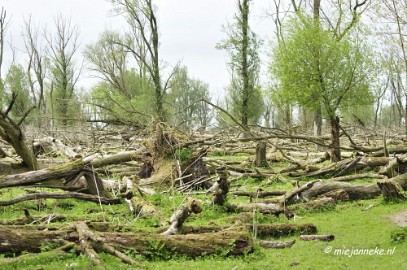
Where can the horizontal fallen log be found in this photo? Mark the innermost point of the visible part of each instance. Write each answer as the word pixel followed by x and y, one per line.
pixel 324 237
pixel 64 195
pixel 273 230
pixel 61 175
pixel 238 241
pixel 354 192
pixel 264 208
pixel 259 194
pixel 271 244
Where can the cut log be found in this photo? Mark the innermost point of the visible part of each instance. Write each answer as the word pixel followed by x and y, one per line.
pixel 324 237
pixel 264 208
pixel 279 245
pixel 236 242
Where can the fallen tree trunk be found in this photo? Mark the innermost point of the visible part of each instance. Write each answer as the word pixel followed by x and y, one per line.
pixel 270 244
pixel 354 192
pixel 65 195
pixel 17 239
pixel 273 230
pixel 324 237
pixel 70 172
pixel 259 194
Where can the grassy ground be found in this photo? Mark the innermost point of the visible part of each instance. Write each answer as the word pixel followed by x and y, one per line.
pixel 354 229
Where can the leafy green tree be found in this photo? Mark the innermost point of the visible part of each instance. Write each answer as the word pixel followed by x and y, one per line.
pixel 242 45
pixel 186 96
pixel 64 73
pixel 316 68
pixel 142 41
pixel 17 89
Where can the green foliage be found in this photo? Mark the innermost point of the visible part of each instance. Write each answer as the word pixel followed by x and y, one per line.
pixel 157 251
pixel 183 154
pixel 314 68
pixel 16 84
pixel 244 98
pixel 187 107
pixel 399 235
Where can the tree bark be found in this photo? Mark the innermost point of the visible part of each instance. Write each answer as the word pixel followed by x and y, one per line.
pixel 261 150
pixel 237 241
pixel 335 151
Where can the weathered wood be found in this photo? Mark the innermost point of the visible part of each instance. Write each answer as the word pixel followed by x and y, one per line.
pixel 289 198
pixel 259 194
pixel 237 241
pixel 265 208
pixel 355 192
pixel 178 218
pixel 273 230
pixel 50 145
pixel 278 245
pixel 391 190
pixel 65 195
pixel 118 158
pixel 261 150
pixel 324 237
pixel 70 172
pixel 221 187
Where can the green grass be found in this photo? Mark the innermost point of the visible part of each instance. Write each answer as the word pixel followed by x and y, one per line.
pixel 352 227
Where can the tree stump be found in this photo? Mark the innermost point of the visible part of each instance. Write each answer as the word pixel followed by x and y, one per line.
pixel 390 190
pixel 261 160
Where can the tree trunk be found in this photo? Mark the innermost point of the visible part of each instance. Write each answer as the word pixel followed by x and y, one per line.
pixel 335 151
pixel 235 242
pixel 71 172
pixel 390 190
pixel 261 149
pixel 11 132
pixel 318 122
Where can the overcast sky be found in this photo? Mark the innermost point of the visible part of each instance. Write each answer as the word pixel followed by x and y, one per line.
pixel 189 30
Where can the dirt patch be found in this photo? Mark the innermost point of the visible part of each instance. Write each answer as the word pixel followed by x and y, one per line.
pixel 400 218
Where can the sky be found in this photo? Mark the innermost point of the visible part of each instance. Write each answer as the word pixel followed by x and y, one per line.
pixel 189 31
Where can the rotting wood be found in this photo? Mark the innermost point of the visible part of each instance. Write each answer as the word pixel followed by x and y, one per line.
pixel 70 172
pixel 322 237
pixel 290 197
pixel 58 195
pixel 278 245
pixel 221 187
pixel 236 242
pixel 264 208
pixel 390 190
pixel 259 193
pixel 192 206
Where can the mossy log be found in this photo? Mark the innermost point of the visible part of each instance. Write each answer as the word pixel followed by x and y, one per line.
pixel 17 239
pixel 355 192
pixel 65 175
pixel 391 190
pixel 273 230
